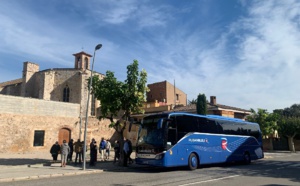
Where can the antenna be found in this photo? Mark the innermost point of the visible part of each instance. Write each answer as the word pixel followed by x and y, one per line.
pixel 174 95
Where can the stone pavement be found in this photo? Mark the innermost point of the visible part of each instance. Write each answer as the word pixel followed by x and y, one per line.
pixel 17 167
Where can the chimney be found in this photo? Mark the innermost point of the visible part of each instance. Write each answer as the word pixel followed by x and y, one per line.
pixel 213 100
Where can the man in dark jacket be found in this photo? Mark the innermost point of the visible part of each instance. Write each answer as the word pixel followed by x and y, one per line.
pixel 71 145
pixel 93 152
pixel 55 149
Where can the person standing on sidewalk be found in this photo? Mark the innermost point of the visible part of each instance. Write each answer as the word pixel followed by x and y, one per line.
pixel 55 150
pixel 117 151
pixel 65 150
pixel 78 151
pixel 93 152
pixel 126 152
pixel 102 148
pixel 107 147
pixel 71 145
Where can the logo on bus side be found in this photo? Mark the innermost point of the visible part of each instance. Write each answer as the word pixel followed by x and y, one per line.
pixel 224 144
pixel 199 140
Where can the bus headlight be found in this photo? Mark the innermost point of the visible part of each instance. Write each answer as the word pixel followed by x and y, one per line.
pixel 159 156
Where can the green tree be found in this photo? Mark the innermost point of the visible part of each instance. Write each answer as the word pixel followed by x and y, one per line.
pixel 120 99
pixel 267 122
pixel 289 124
pixel 201 104
pixel 289 127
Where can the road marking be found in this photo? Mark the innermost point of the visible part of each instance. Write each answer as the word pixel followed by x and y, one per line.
pixel 284 164
pixel 294 165
pixel 210 180
pixel 273 163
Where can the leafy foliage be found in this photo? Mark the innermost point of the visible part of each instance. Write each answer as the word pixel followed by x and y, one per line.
pixel 121 98
pixel 192 102
pixel 201 104
pixel 267 121
pixel 293 111
pixel 289 124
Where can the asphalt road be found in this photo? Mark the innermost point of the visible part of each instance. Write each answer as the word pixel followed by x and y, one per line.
pixel 278 169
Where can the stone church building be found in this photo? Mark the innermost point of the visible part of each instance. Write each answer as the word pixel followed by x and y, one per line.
pixel 49 105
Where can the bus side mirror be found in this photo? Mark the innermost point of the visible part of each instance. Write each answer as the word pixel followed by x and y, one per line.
pixel 160 123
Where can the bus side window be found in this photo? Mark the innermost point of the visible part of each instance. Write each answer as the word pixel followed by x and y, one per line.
pixel 209 126
pixel 213 126
pixel 186 124
pixel 202 125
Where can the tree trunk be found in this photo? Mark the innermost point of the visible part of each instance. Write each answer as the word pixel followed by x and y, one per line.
pixel 291 144
pixel 271 144
pixel 121 160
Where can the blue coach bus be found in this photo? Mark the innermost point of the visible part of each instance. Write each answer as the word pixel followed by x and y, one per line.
pixel 183 139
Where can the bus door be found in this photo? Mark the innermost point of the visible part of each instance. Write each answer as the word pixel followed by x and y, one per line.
pixel 172 135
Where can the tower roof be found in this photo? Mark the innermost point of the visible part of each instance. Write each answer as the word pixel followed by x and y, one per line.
pixel 82 52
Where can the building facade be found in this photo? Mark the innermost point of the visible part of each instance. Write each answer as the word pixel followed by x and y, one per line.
pixel 166 94
pixel 57 84
pixel 49 105
pixel 214 108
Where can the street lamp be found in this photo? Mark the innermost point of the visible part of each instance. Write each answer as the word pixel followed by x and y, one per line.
pixel 87 107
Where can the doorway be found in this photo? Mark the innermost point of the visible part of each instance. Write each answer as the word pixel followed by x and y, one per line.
pixel 64 134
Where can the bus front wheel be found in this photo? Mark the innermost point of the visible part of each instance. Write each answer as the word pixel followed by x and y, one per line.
pixel 193 161
pixel 247 158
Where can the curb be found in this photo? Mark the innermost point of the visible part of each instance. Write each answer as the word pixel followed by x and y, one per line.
pixel 24 178
pixel 24 166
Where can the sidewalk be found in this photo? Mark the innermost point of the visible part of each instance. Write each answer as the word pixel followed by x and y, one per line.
pixel 17 167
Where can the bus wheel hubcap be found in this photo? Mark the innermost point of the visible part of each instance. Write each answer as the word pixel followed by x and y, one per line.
pixel 194 161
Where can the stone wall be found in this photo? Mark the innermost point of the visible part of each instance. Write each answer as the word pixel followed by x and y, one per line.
pixel 268 145
pixel 21 117
pixel 31 106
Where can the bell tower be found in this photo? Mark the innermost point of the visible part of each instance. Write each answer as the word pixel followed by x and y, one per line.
pixel 82 60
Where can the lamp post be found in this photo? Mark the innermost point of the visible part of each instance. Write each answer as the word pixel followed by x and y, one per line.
pixel 87 107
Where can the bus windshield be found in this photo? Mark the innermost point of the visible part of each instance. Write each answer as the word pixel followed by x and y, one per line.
pixel 150 133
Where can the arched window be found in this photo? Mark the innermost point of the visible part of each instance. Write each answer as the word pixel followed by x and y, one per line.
pixel 79 65
pixel 66 94
pixel 86 61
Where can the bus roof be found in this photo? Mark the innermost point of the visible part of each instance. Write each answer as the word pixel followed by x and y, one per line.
pixel 213 117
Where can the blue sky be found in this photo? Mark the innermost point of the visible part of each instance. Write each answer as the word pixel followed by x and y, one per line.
pixel 246 53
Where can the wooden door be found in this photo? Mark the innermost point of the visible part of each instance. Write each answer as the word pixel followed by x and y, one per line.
pixel 64 134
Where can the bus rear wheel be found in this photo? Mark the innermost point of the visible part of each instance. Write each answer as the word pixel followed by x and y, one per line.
pixel 193 161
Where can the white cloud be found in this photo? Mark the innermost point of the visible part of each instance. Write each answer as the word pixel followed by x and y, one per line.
pixel 259 70
pixel 268 51
pixel 117 12
pixel 249 63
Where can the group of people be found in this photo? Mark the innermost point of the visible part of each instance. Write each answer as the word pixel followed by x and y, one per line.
pixel 66 150
pixel 104 150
